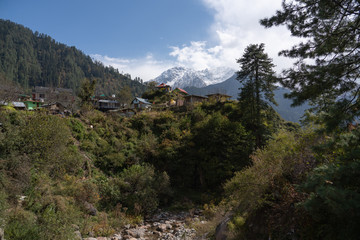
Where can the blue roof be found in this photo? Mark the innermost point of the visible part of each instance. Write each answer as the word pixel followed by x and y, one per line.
pixel 18 104
pixel 142 100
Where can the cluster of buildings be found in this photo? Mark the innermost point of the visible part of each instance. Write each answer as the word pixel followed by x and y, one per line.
pixel 182 98
pixel 62 100
pixel 57 100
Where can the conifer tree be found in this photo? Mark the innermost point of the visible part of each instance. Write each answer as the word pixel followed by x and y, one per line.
pixel 328 61
pixel 258 83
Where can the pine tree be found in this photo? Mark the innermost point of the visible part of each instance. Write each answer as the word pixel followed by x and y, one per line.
pixel 328 65
pixel 258 79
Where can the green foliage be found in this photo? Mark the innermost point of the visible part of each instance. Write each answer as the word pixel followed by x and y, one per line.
pixel 333 191
pixel 329 79
pixel 123 167
pixel 264 194
pixel 124 96
pixel 87 90
pixel 227 151
pixel 138 188
pixel 22 226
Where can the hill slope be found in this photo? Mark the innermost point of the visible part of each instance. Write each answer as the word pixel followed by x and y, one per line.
pixel 34 59
pixel 231 87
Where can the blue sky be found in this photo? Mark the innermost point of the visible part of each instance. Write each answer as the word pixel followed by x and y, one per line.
pixel 146 37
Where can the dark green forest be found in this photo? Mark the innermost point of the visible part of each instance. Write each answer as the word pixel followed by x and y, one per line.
pixel 34 59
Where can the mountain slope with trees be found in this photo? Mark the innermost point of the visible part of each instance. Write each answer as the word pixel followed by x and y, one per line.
pixel 232 87
pixel 35 59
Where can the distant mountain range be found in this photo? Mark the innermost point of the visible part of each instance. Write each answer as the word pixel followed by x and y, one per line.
pixel 231 87
pixel 185 77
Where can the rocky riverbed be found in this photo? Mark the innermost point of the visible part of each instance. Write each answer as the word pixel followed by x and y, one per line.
pixel 162 226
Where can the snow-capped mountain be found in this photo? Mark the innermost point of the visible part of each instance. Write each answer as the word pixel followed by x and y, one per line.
pixel 186 77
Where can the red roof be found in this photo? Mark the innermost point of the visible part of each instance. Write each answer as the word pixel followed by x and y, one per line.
pixel 162 85
pixel 182 90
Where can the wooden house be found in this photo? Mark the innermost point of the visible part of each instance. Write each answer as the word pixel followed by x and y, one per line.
pixel 33 104
pixel 55 108
pixel 193 99
pixel 104 103
pixel 164 87
pixel 19 105
pixel 140 103
pixel 180 91
pixel 46 94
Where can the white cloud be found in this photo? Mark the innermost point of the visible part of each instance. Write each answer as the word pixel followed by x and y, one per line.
pixel 146 68
pixel 235 26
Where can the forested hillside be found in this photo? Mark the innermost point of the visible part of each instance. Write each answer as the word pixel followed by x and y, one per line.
pixel 232 87
pixel 35 59
pixel 100 171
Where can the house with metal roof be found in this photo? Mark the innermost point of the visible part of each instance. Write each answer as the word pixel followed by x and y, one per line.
pixel 192 99
pixel 140 103
pixel 180 91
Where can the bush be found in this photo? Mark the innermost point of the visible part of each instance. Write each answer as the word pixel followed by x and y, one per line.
pixel 22 225
pixel 138 188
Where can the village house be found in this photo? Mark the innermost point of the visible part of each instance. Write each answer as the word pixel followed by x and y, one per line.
pixel 56 108
pixel 179 99
pixel 19 105
pixel 140 104
pixel 16 105
pixel 164 87
pixel 105 103
pixel 180 91
pixel 32 104
pixel 193 99
pixel 46 94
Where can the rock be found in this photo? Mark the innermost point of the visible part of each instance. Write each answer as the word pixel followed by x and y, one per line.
pixel 77 235
pixel 136 232
pixel 102 238
pixel 75 227
pixel 116 237
pixel 221 229
pixel 90 238
pixel 162 227
pixel 90 209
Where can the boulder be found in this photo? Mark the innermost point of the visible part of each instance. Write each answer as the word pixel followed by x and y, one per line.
pixel 90 209
pixel 77 235
pixel 136 232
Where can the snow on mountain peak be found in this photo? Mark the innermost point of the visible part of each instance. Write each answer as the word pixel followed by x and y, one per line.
pixel 186 77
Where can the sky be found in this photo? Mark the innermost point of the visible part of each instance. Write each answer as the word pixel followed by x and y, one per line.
pixel 146 37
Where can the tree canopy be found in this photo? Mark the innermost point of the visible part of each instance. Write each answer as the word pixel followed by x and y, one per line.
pixel 328 66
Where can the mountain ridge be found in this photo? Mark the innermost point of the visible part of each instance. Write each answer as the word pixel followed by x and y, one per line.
pixel 184 77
